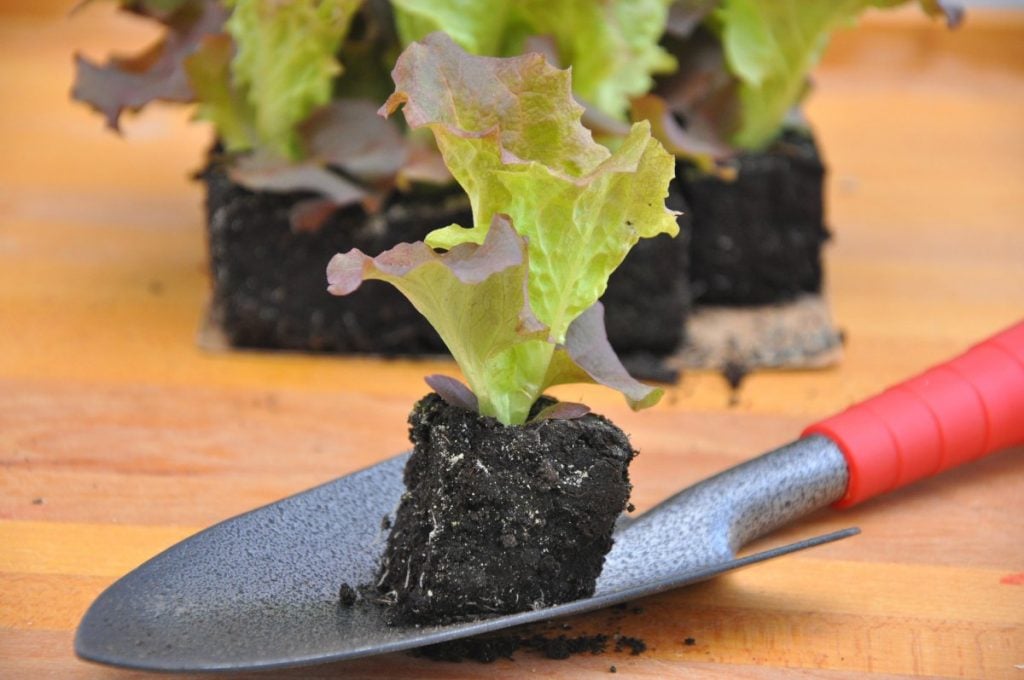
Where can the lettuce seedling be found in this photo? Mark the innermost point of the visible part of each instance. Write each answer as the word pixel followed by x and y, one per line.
pixel 743 66
pixel 514 297
pixel 612 46
pixel 272 78
pixel 287 85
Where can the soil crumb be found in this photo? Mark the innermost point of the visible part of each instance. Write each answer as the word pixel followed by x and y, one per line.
pixel 636 646
pixel 346 595
pixel 734 373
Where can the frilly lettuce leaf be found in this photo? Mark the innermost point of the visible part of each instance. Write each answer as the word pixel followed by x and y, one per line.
pixel 478 27
pixel 611 46
pixel 772 47
pixel 476 298
pixel 588 357
pixel 517 310
pixel 511 135
pixel 129 83
pixel 285 62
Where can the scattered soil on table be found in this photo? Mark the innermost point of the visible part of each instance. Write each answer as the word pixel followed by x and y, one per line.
pixel 499 519
pixel 734 373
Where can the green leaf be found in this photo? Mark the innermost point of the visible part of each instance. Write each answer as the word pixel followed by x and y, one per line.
pixel 475 297
pixel 209 73
pixel 510 132
pixel 285 62
pixel 478 27
pixel 772 47
pixel 511 135
pixel 611 46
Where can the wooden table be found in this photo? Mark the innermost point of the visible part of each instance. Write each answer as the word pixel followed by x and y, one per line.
pixel 119 437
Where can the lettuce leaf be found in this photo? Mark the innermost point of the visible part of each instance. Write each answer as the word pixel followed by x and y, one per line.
pixel 511 135
pixel 772 47
pixel 554 213
pixel 340 150
pixel 346 135
pixel 285 62
pixel 219 101
pixel 476 298
pixel 158 73
pixel 612 46
pixel 478 27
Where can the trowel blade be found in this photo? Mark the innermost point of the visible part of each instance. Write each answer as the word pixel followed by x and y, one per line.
pixel 260 590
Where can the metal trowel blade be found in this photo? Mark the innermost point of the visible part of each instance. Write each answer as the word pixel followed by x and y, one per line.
pixel 260 590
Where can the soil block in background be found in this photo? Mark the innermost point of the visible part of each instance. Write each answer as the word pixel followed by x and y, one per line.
pixel 269 282
pixel 648 296
pixel 270 291
pixel 757 239
pixel 500 519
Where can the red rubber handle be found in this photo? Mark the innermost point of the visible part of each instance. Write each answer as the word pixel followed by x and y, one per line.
pixel 958 411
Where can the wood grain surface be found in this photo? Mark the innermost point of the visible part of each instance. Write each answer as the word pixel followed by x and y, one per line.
pixel 118 437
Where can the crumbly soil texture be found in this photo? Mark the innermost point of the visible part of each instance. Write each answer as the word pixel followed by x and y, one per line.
pixel 500 519
pixel 757 239
pixel 270 283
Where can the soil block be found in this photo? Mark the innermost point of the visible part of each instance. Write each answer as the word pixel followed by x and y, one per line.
pixel 269 282
pixel 757 239
pixel 648 296
pixel 269 286
pixel 499 519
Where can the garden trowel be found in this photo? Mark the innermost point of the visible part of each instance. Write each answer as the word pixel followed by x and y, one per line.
pixel 261 590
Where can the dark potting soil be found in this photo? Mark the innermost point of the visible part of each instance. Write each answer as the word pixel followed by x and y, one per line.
pixel 499 519
pixel 648 296
pixel 757 239
pixel 269 287
pixel 269 282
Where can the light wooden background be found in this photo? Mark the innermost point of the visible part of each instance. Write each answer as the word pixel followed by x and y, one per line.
pixel 119 437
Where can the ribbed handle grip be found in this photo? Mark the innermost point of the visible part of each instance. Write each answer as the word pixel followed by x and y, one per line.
pixel 958 411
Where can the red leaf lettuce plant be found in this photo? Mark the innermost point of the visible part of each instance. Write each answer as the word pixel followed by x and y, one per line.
pixel 288 85
pixel 514 297
pixel 289 88
pixel 743 68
